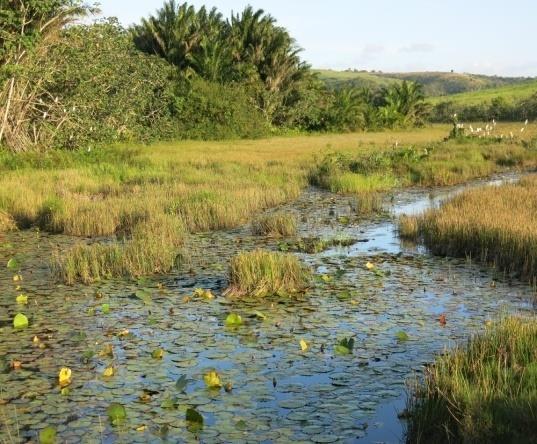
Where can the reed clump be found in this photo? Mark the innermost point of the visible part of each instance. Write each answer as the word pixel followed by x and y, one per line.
pixel 495 224
pixel 262 273
pixel 483 392
pixel 153 247
pixel 278 224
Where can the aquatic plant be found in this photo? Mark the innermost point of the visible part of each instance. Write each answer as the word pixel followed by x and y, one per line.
pixel 274 224
pixel 485 391
pixel 407 227
pixel 264 273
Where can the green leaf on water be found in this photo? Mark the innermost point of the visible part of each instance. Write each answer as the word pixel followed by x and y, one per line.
pixel 144 295
pixel 326 278
pixel 345 346
pixel 157 353
pixel 241 425
pixel 181 383
pixel 169 403
pixel 233 320
pixel 260 315
pixel 20 321
pixel 402 336
pixel 116 413
pixel 344 296
pixel 194 419
pixel 48 435
pixel 13 264
pixel 105 308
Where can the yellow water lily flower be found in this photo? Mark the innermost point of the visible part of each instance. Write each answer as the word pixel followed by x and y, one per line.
pixel 65 377
pixel 212 380
pixel 303 345
pixel 370 266
pixel 22 299
pixel 109 372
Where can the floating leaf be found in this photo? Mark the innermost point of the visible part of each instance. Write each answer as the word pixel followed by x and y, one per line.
pixel 48 435
pixel 345 346
pixel 22 299
pixel 303 345
pixel 241 425
pixel 157 353
pixel 233 320
pixel 144 296
pixel 402 336
pixel 194 419
pixel 65 391
pixel 212 380
pixel 169 403
pixel 105 308
pixel 181 383
pixel 142 428
pixel 20 321
pixel 116 413
pixel 203 294
pixel 259 315
pixel 344 295
pixel 64 377
pixel 326 278
pixel 13 264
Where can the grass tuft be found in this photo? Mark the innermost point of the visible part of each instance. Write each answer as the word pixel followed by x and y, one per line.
pixel 481 393
pixel 496 224
pixel 152 248
pixel 368 203
pixel 263 273
pixel 275 224
pixel 408 227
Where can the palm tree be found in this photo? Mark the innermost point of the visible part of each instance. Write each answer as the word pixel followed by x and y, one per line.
pixel 404 104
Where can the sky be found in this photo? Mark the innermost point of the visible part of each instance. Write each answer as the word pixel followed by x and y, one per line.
pixel 495 37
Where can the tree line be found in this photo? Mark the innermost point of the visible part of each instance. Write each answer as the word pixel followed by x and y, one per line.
pixel 180 73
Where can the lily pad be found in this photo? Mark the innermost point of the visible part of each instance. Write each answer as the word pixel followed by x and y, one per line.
pixel 116 413
pixel 48 435
pixel 194 419
pixel 20 321
pixel 13 264
pixel 234 320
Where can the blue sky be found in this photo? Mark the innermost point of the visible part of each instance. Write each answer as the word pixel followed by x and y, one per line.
pixel 490 37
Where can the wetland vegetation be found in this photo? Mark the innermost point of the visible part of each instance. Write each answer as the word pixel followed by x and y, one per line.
pixel 206 249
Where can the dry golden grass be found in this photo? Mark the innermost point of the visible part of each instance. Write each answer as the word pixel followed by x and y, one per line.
pixel 264 273
pixel 494 224
pixel 275 224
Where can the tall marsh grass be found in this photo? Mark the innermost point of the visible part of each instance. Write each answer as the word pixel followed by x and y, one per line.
pixel 495 224
pixel 484 392
pixel 278 224
pixel 263 273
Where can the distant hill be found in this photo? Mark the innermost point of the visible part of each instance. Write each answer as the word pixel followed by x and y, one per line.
pixel 434 83
pixel 511 93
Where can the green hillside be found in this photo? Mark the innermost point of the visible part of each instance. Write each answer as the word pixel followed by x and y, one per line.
pixel 434 83
pixel 510 93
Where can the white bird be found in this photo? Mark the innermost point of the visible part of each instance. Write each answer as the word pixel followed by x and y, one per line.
pixel 526 122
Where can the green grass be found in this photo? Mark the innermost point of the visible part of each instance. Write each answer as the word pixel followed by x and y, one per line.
pixel 511 93
pixel 279 224
pixel 484 392
pixel 263 273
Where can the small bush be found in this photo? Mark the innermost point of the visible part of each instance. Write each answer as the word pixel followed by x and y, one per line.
pixel 275 224
pixel 263 273
pixel 482 393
